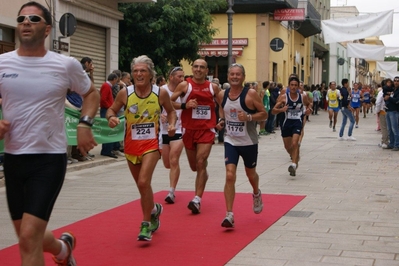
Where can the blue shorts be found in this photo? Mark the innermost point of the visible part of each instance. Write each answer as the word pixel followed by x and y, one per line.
pixel 335 109
pixel 291 127
pixel 248 153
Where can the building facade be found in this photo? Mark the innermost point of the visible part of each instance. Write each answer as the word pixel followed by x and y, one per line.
pixel 269 48
pixel 96 31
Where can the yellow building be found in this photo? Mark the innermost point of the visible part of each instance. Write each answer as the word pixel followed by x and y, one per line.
pixel 269 49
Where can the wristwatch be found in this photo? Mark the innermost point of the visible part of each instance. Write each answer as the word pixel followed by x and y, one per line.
pixel 86 120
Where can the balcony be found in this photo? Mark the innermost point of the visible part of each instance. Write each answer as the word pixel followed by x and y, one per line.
pixel 261 6
pixel 312 23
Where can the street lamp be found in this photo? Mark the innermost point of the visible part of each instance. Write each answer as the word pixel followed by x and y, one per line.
pixel 230 13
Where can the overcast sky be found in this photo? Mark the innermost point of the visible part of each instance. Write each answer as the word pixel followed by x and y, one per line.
pixel 374 6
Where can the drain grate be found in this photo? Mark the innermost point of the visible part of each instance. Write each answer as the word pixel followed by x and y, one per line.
pixel 298 214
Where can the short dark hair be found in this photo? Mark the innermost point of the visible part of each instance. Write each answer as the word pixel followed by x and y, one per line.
pixel 293 78
pixel 46 12
pixel 112 76
pixel 85 60
pixel 159 79
pixel 118 73
pixel 344 81
pixel 265 84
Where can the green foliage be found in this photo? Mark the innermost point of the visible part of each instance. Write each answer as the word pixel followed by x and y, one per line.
pixel 392 59
pixel 167 31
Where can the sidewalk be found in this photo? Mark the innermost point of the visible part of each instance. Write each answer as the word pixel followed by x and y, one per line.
pixel 348 217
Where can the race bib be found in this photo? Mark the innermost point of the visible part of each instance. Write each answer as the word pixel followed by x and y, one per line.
pixel 294 114
pixel 143 131
pixel 355 100
pixel 201 112
pixel 235 129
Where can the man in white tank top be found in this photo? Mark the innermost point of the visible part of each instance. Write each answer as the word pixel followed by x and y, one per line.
pixel 240 109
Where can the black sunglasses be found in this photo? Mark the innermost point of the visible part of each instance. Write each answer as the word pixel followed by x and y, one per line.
pixel 31 18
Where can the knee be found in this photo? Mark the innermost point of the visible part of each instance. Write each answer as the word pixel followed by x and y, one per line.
pixel 230 178
pixel 143 185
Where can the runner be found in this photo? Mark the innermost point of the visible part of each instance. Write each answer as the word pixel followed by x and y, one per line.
pixel 291 104
pixel 242 107
pixel 356 97
pixel 332 97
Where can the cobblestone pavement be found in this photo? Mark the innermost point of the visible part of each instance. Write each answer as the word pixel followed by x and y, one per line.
pixel 349 215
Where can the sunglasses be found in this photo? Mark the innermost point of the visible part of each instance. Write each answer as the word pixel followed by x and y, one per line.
pixel 31 18
pixel 175 69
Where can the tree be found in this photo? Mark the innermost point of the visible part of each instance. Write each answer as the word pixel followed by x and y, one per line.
pixel 167 31
pixel 392 59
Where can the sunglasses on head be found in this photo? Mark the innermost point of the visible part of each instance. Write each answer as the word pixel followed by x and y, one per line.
pixel 31 18
pixel 174 70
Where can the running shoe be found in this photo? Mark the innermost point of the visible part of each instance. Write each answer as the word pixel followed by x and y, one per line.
pixel 384 146
pixel 145 232
pixel 170 198
pixel 292 170
pixel 194 207
pixel 228 221
pixel 341 138
pixel 356 126
pixel 334 129
pixel 155 223
pixel 351 138
pixel 330 124
pixel 257 203
pixel 70 240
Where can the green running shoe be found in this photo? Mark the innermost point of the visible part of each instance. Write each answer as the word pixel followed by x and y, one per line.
pixel 145 232
pixel 155 223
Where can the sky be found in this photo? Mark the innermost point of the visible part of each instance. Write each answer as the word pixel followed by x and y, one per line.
pixel 375 6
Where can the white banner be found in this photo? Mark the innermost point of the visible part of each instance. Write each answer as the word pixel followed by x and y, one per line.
pixel 392 51
pixel 387 66
pixel 366 51
pixel 359 27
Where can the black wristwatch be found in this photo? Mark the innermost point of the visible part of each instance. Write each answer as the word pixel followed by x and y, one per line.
pixel 86 120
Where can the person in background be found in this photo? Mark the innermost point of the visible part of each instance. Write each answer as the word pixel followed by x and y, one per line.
pixel 106 101
pixel 391 98
pixel 382 114
pixel 333 96
pixel 33 127
pixel 356 97
pixel 265 96
pixel 346 110
pixel 291 104
pixel 172 146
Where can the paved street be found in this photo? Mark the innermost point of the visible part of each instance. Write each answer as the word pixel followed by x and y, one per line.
pixel 349 216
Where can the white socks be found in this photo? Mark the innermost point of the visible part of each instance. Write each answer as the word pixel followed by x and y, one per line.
pixel 64 251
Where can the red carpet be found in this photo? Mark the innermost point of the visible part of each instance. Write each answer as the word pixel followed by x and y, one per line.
pixel 109 238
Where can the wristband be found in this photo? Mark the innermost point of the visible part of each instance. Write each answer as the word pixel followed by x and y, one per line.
pixel 183 106
pixel 221 119
pixel 249 117
pixel 83 126
pixel 109 117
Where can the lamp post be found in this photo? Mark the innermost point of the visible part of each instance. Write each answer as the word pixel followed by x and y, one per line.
pixel 230 13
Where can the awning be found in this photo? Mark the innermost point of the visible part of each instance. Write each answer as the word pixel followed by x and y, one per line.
pixel 219 51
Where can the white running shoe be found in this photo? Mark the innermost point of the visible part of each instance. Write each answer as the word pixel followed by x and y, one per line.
pixel 257 203
pixel 228 221
pixel 341 138
pixel 351 138
pixel 170 198
pixel 384 146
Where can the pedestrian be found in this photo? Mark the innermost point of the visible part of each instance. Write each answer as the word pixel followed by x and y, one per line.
pixel 381 113
pixel 241 108
pixel 33 103
pixel 391 99
pixel 172 146
pixel 264 94
pixel 199 122
pixel 144 102
pixel 291 104
pixel 346 110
